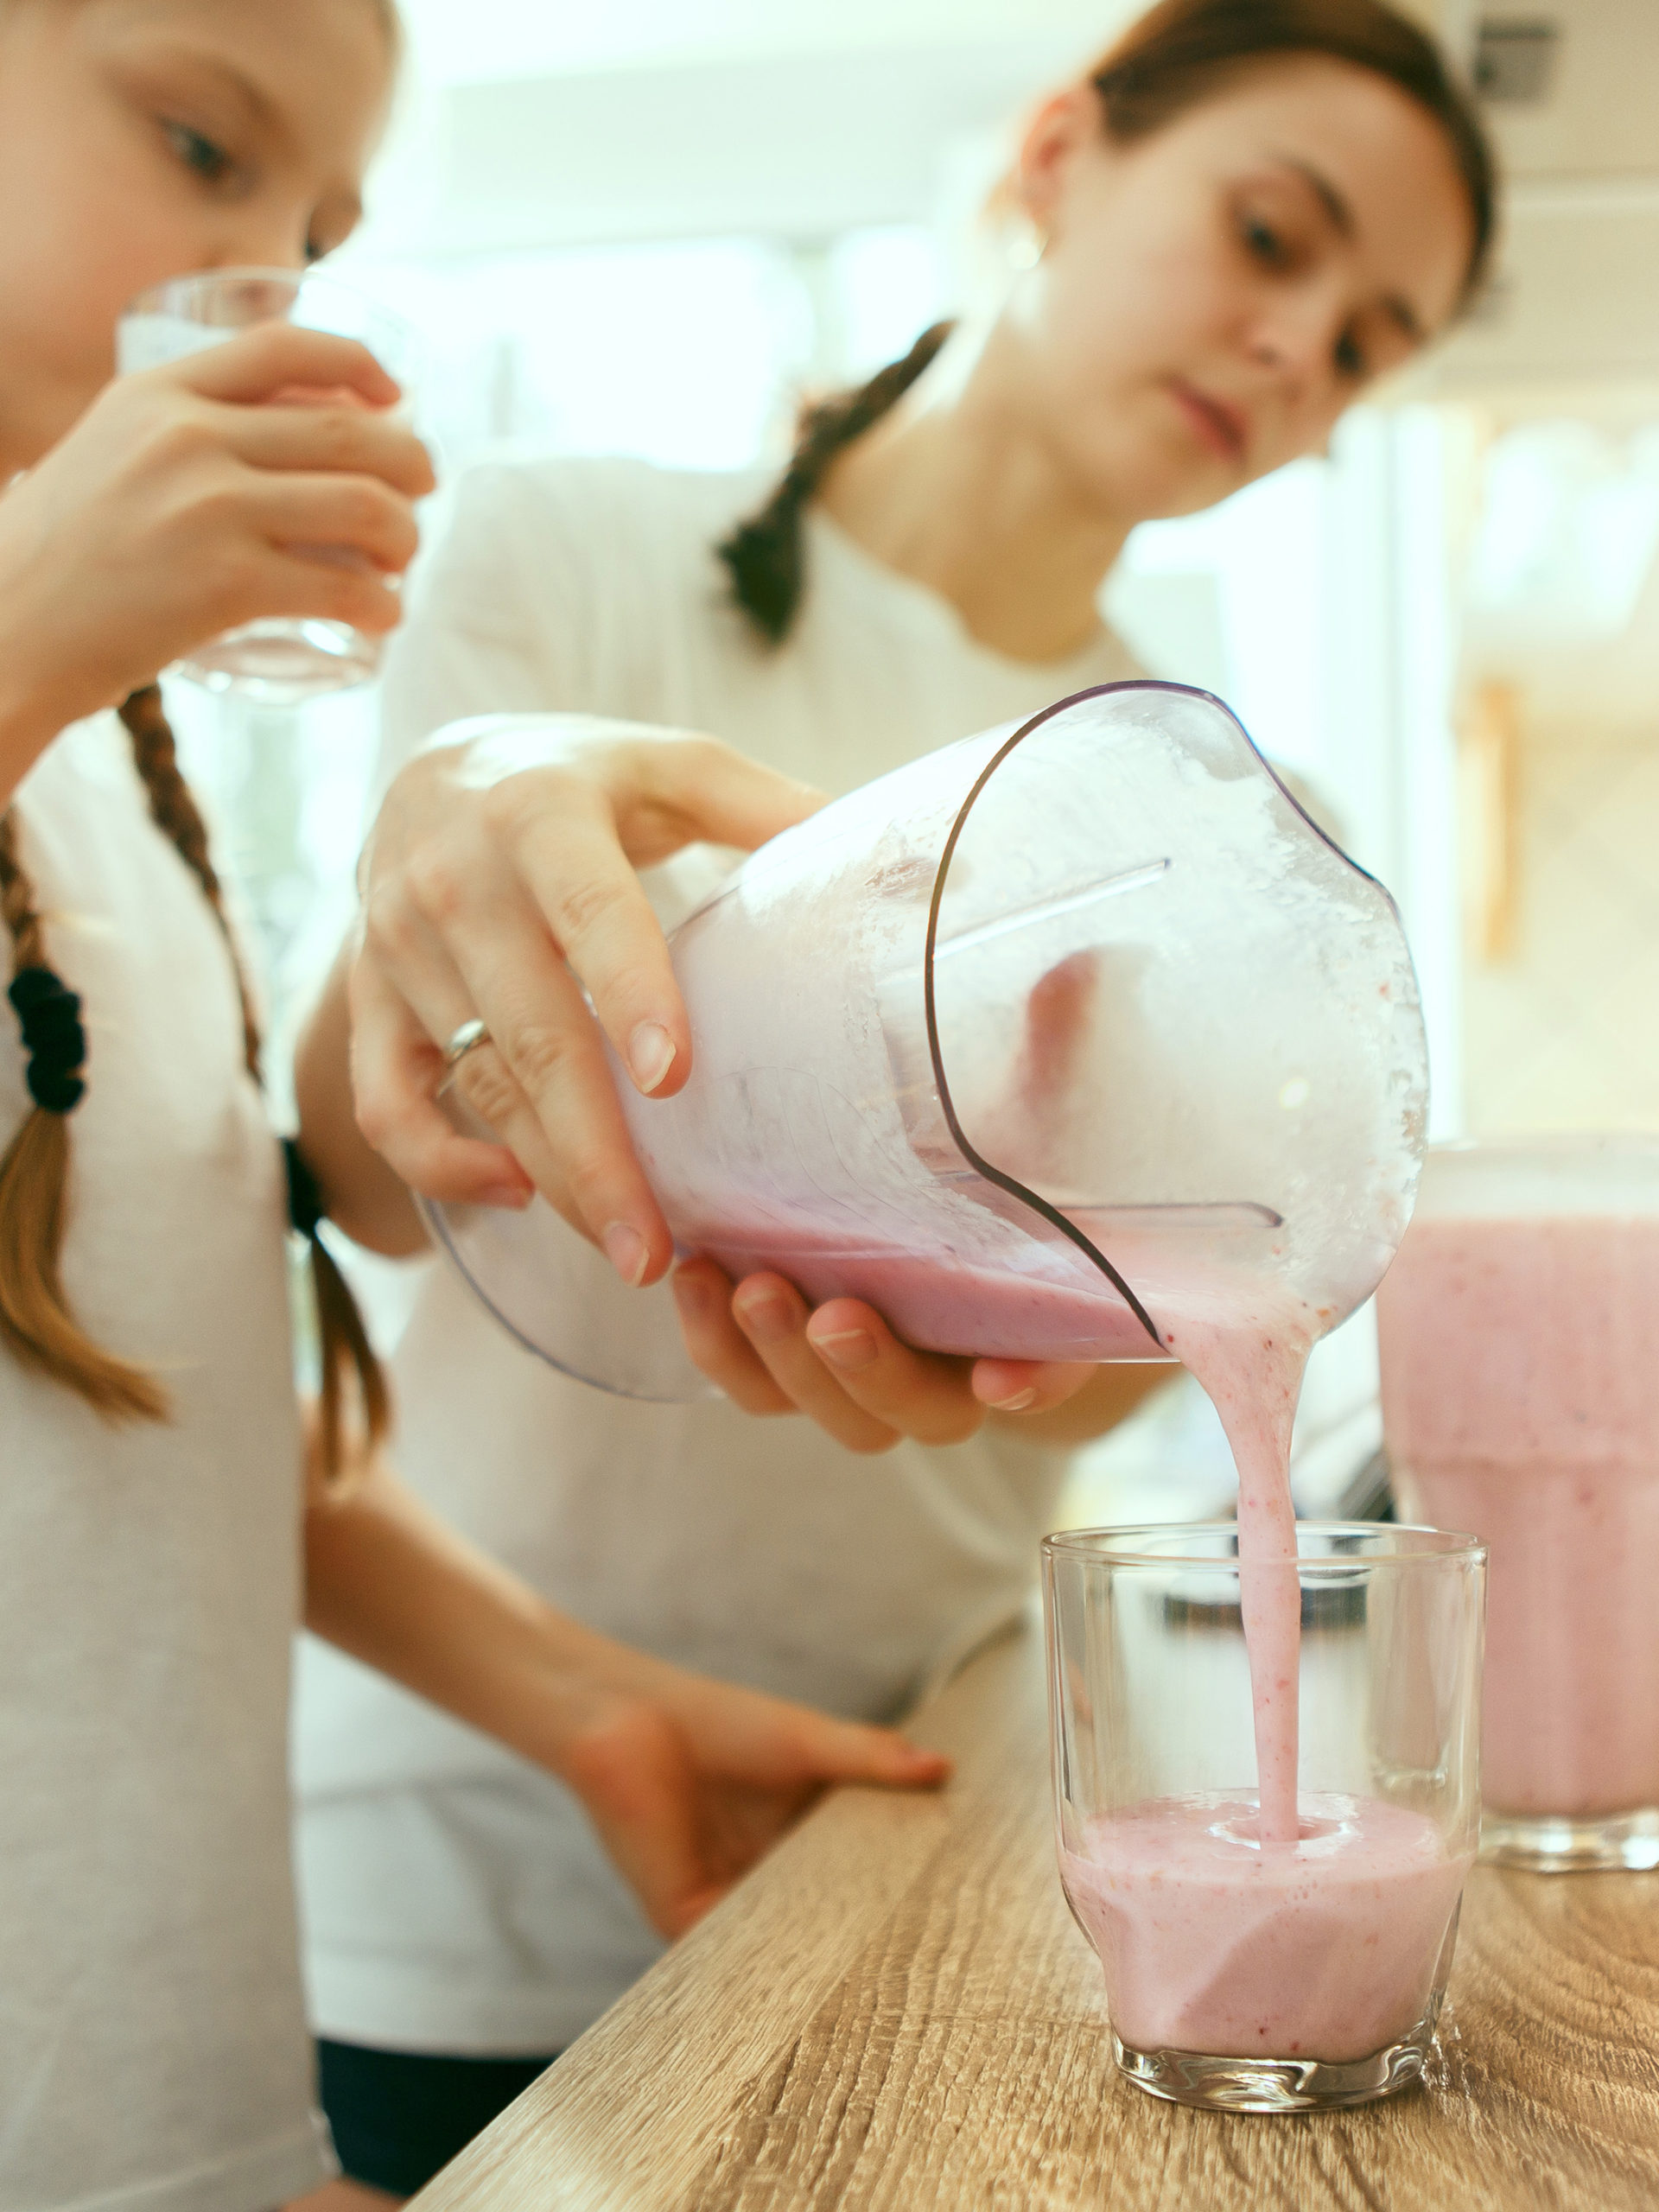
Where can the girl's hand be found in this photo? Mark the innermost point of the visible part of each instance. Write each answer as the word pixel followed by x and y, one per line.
pixel 689 1781
pixel 174 508
pixel 843 1366
pixel 498 884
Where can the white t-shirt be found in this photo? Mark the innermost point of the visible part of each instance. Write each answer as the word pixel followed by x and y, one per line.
pixel 452 1897
pixel 153 2051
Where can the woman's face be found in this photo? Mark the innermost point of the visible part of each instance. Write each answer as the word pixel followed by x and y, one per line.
pixel 140 139
pixel 1213 295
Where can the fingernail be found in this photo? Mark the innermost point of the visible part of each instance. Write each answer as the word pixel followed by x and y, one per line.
pixel 768 1317
pixel 651 1055
pixel 627 1252
pixel 506 1194
pixel 1016 1404
pixel 848 1348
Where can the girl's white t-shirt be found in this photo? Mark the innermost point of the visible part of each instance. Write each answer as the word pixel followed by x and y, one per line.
pixel 153 2051
pixel 453 1896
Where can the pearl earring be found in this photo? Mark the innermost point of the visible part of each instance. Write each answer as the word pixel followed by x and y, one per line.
pixel 1028 246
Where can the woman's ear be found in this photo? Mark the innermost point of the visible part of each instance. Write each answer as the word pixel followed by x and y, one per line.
pixel 1066 125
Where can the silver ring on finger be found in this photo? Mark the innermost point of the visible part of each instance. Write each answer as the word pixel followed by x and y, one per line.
pixel 466 1039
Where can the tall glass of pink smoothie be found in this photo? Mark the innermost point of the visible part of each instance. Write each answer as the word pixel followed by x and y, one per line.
pixel 1248 1969
pixel 1519 1331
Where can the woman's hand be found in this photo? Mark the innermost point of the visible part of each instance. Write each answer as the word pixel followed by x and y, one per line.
pixel 687 1781
pixel 843 1366
pixel 178 507
pixel 500 884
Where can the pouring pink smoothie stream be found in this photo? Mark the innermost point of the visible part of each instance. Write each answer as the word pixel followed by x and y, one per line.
pixel 1283 1926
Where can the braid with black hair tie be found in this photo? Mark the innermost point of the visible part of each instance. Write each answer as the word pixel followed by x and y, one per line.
pixel 767 555
pixel 38 1328
pixel 49 1015
pixel 345 1347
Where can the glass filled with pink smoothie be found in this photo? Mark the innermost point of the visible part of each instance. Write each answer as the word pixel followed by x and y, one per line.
pixel 1519 1334
pixel 1266 1794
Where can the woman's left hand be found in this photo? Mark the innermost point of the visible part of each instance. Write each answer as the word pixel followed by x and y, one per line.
pixel 843 1366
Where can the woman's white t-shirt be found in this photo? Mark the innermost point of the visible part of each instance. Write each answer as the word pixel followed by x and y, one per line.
pixel 452 1897
pixel 153 2053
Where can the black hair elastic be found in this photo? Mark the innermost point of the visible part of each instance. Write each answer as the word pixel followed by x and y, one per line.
pixel 50 1013
pixel 305 1206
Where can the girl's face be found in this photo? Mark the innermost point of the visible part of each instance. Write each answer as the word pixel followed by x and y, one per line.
pixel 1213 295
pixel 141 139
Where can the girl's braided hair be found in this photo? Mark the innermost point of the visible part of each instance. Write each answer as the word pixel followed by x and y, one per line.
pixel 1179 54
pixel 35 1319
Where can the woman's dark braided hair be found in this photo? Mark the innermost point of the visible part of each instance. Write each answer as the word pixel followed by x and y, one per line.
pixel 766 554
pixel 35 1319
pixel 1179 54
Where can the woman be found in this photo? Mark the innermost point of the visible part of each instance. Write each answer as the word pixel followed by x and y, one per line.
pixel 1249 211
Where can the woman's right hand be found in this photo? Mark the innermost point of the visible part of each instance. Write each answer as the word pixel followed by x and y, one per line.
pixel 500 885
pixel 174 508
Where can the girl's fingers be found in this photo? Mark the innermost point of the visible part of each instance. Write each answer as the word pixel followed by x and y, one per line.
pixel 772 1315
pixel 357 513
pixel 920 1395
pixel 257 362
pixel 717 1346
pixel 351 440
pixel 850 1750
pixel 282 581
pixel 631 1770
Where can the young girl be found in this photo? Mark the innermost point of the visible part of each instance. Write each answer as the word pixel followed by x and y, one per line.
pixel 1250 209
pixel 152 2043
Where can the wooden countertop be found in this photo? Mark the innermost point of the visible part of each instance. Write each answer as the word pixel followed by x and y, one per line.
pixel 897 2012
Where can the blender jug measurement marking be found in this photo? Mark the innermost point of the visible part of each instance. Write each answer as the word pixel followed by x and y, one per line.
pixel 1075 902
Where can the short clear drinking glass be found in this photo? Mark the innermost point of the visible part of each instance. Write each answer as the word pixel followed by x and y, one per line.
pixel 1520 1399
pixel 279 662
pixel 1243 1975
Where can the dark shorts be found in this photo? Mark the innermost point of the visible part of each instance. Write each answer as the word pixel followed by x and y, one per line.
pixel 398 2116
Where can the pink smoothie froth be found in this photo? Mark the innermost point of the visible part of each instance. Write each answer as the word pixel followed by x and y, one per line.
pixel 1521 1401
pixel 1326 1950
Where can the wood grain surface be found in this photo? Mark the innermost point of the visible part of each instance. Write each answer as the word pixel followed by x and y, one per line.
pixel 897 2012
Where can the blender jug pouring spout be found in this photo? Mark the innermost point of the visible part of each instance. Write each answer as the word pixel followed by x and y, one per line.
pixel 1046 1045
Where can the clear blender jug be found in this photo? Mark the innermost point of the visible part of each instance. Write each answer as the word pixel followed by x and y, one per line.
pixel 1045 1044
